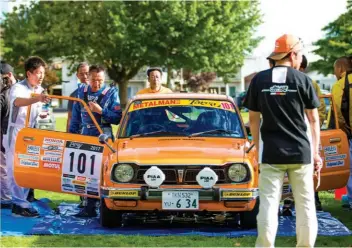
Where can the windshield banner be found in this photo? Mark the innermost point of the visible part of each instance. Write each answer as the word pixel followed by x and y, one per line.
pixel 137 105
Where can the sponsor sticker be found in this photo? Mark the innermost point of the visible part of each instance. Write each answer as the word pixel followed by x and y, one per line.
pixel 92 188
pixel 52 159
pixel 29 163
pixel 67 185
pixel 51 165
pixel 335 163
pixel 236 194
pixel 330 150
pixel 67 189
pixel 52 141
pixel 126 193
pixel 33 149
pixel 30 157
pixel 92 180
pixel 80 178
pixel 51 153
pixel 78 182
pixel 336 157
pixel 52 148
pixel 69 176
pixel 79 187
pixel 92 193
pixel 66 180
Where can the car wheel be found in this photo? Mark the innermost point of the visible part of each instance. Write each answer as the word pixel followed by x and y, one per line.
pixel 249 219
pixel 109 218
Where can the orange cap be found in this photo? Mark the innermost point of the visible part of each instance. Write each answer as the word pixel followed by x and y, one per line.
pixel 284 45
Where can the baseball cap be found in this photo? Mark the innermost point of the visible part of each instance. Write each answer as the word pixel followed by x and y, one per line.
pixel 154 69
pixel 284 45
pixel 5 68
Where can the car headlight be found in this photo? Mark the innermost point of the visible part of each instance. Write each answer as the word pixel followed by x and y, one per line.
pixel 124 173
pixel 237 172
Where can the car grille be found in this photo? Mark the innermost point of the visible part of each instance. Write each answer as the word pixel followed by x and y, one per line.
pixel 189 175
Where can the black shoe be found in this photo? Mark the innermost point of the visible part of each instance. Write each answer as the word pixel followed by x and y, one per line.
pixel 87 213
pixel 80 205
pixel 25 212
pixel 347 205
pixel 6 205
pixel 318 206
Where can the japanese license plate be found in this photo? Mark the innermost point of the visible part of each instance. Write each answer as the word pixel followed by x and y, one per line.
pixel 180 200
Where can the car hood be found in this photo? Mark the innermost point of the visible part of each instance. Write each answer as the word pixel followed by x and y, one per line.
pixel 161 151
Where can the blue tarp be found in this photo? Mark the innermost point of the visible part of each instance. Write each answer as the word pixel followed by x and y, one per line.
pixel 64 223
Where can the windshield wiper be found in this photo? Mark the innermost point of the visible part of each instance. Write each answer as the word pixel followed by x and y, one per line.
pixel 214 131
pixel 156 132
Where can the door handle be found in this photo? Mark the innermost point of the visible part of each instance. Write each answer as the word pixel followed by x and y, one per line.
pixel 335 140
pixel 27 138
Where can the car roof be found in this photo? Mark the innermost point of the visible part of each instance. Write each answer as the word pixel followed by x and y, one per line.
pixel 182 96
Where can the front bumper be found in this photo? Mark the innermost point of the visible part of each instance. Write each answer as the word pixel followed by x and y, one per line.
pixel 146 193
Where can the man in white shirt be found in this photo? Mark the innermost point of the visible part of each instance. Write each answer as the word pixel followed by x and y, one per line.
pixel 20 98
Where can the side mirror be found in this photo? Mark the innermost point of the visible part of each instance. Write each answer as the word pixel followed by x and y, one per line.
pixel 103 139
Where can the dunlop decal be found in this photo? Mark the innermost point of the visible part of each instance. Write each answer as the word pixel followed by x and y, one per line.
pixel 237 194
pixel 127 193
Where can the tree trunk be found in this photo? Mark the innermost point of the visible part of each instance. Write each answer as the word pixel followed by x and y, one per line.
pixel 123 86
pixel 168 83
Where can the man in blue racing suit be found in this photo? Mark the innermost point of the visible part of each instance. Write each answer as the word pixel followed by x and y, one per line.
pixel 104 102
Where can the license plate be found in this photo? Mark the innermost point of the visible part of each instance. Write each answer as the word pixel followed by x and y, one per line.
pixel 180 200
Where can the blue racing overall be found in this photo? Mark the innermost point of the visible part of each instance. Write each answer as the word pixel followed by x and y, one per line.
pixel 107 98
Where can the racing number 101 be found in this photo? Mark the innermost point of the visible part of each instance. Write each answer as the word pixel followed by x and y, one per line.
pixel 81 167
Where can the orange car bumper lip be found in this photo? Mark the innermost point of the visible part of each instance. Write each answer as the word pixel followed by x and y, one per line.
pixel 146 193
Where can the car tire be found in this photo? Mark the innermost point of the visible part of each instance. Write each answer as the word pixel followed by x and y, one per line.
pixel 109 218
pixel 249 219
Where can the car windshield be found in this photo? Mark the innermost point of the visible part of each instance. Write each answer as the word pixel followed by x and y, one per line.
pixel 181 117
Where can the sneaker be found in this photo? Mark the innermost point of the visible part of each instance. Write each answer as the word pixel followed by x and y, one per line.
pixel 6 205
pixel 347 205
pixel 25 212
pixel 318 206
pixel 87 213
pixel 81 205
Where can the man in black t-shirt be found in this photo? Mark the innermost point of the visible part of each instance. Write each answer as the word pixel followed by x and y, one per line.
pixel 287 140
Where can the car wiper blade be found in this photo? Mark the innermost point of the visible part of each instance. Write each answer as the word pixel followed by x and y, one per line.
pixel 156 132
pixel 214 131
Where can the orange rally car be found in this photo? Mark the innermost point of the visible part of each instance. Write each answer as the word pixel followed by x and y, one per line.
pixel 174 153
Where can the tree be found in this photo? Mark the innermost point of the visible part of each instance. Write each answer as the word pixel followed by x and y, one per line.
pixel 199 82
pixel 337 42
pixel 125 36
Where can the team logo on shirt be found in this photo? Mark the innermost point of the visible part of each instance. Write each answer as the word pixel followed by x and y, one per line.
pixel 278 90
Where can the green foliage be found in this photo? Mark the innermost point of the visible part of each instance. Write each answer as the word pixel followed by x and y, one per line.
pixel 337 42
pixel 125 36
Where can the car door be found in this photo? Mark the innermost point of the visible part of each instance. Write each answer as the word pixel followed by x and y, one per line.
pixel 334 150
pixel 58 161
